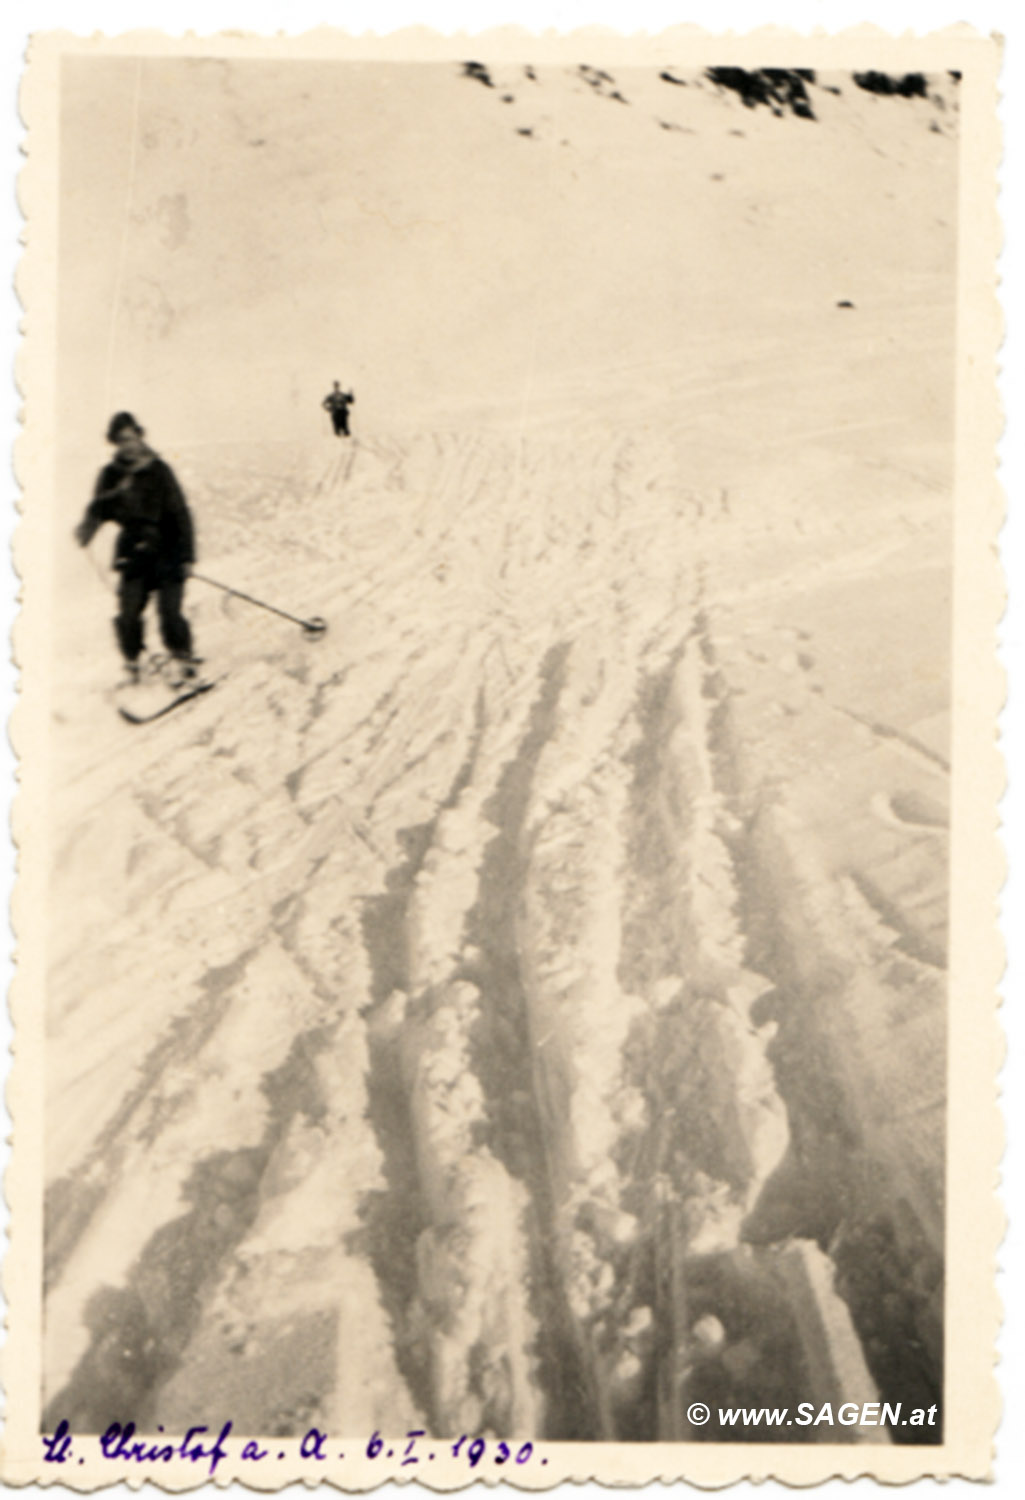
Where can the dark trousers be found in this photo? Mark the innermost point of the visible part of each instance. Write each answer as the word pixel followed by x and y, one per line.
pixel 340 417
pixel 133 595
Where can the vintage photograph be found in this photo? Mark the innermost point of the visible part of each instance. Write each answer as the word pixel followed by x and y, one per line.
pixel 498 575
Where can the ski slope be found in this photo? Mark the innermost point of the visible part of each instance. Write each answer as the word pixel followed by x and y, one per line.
pixel 521 1010
pixel 565 915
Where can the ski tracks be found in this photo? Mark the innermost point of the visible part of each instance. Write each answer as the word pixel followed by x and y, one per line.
pixel 451 931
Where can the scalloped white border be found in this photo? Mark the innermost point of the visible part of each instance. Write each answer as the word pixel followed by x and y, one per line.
pixel 976 956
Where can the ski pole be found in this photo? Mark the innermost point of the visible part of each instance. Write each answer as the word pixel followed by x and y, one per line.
pixel 314 626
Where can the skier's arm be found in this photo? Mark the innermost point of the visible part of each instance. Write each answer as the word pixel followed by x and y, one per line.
pixel 98 511
pixel 88 526
pixel 181 519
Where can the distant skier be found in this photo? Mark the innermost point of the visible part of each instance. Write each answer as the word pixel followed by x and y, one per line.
pixel 337 402
pixel 155 547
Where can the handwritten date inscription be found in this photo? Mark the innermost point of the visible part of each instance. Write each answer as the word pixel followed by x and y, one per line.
pixel 121 1444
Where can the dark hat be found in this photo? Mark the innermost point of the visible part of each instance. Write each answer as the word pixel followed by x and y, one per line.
pixel 118 422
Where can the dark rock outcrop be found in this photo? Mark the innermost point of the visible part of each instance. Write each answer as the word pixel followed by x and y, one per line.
pixel 781 89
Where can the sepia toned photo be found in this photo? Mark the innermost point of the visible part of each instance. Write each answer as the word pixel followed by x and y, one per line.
pixel 506 949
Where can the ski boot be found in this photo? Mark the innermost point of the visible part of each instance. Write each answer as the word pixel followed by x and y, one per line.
pixel 183 671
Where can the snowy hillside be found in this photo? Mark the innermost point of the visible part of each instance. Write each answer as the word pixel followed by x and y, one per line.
pixel 522 1009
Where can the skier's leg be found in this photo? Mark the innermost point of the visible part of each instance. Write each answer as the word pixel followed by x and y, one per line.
pixel 132 595
pixel 174 628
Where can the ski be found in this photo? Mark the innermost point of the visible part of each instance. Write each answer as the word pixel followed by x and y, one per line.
pixel 185 695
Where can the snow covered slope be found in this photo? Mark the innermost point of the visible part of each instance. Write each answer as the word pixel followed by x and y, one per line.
pixel 522 1009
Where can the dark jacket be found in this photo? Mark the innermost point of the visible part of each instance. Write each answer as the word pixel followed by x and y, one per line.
pixel 146 501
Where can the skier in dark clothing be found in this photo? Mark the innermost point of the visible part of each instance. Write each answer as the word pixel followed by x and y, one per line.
pixel 337 402
pixel 155 547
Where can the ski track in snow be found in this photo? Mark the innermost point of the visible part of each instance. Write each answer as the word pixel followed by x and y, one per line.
pixel 495 1015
